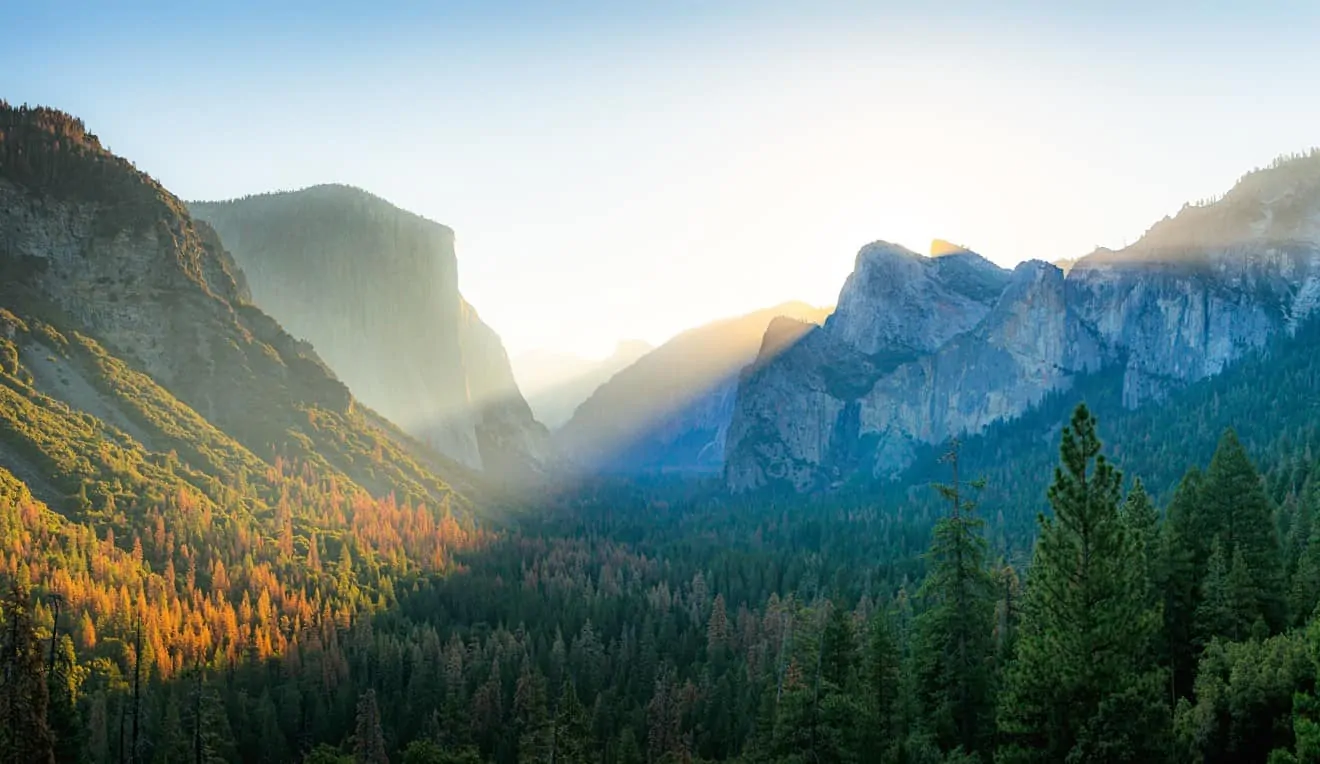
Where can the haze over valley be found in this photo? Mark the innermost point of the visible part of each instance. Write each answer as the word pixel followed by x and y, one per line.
pixel 656 384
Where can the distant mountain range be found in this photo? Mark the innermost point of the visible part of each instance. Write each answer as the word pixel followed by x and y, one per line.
pixel 327 325
pixel 923 349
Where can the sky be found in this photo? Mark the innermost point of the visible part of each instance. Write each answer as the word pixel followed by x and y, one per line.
pixel 628 170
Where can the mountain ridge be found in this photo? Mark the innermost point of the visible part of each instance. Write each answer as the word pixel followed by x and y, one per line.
pixel 375 288
pixel 913 356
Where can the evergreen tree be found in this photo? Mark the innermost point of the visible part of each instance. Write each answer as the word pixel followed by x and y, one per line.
pixel 572 735
pixel 171 744
pixel 837 649
pixel 1216 614
pixel 882 729
pixel 628 750
pixel 25 736
pixel 65 682
pixel 1180 577
pixel 1081 682
pixel 1304 593
pixel 954 645
pixel 326 754
pixel 1143 523
pixel 368 738
pixel 1238 513
pixel 534 727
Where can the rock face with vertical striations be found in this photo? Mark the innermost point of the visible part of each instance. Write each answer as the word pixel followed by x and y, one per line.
pixel 375 289
pixel 137 317
pixel 922 349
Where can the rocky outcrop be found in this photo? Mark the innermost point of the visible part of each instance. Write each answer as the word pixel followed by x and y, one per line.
pixel 141 320
pixel 927 300
pixel 117 257
pixel 922 349
pixel 671 409
pixel 375 290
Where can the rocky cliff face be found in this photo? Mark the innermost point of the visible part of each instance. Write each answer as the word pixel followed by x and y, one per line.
pixel 922 349
pixel 671 409
pixel 90 238
pixel 375 289
pixel 122 280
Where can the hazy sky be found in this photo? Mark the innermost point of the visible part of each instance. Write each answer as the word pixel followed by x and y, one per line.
pixel 632 169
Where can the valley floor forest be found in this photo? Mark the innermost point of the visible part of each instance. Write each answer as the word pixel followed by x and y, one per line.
pixel 603 631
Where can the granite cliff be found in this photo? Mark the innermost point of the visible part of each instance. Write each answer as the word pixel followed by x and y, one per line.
pixel 921 349
pixel 375 289
pixel 127 312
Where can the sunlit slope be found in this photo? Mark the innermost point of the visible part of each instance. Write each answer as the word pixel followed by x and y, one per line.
pixel 671 408
pixel 95 249
pixel 557 383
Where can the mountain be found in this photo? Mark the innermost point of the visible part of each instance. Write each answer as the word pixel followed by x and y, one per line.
pixel 375 289
pixel 133 365
pixel 670 409
pixel 921 349
pixel 557 383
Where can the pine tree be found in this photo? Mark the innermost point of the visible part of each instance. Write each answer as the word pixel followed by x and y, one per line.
pixel 1304 593
pixel 628 751
pixel 532 718
pixel 837 649
pixel 171 743
pixel 1238 512
pixel 1143 524
pixel 25 736
pixel 955 635
pixel 572 736
pixel 65 681
pixel 368 738
pixel 881 692
pixel 1181 572
pixel 1081 685
pixel 717 628
pixel 1216 614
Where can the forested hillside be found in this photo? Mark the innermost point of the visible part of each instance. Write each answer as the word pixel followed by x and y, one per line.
pixel 624 628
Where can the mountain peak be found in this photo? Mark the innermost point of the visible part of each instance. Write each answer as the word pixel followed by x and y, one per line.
pixel 1277 204
pixel 942 248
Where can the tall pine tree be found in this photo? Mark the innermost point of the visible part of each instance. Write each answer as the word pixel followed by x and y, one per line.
pixel 1238 512
pixel 1081 687
pixel 25 736
pixel 368 739
pixel 955 634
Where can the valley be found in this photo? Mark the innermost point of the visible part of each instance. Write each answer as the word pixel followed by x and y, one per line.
pixel 270 491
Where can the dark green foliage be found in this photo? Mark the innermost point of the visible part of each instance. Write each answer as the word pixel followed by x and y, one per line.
pixel 882 728
pixel 1082 661
pixel 1238 514
pixel 25 735
pixel 368 739
pixel 572 735
pixel 1244 696
pixel 65 679
pixel 1181 575
pixel 954 635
